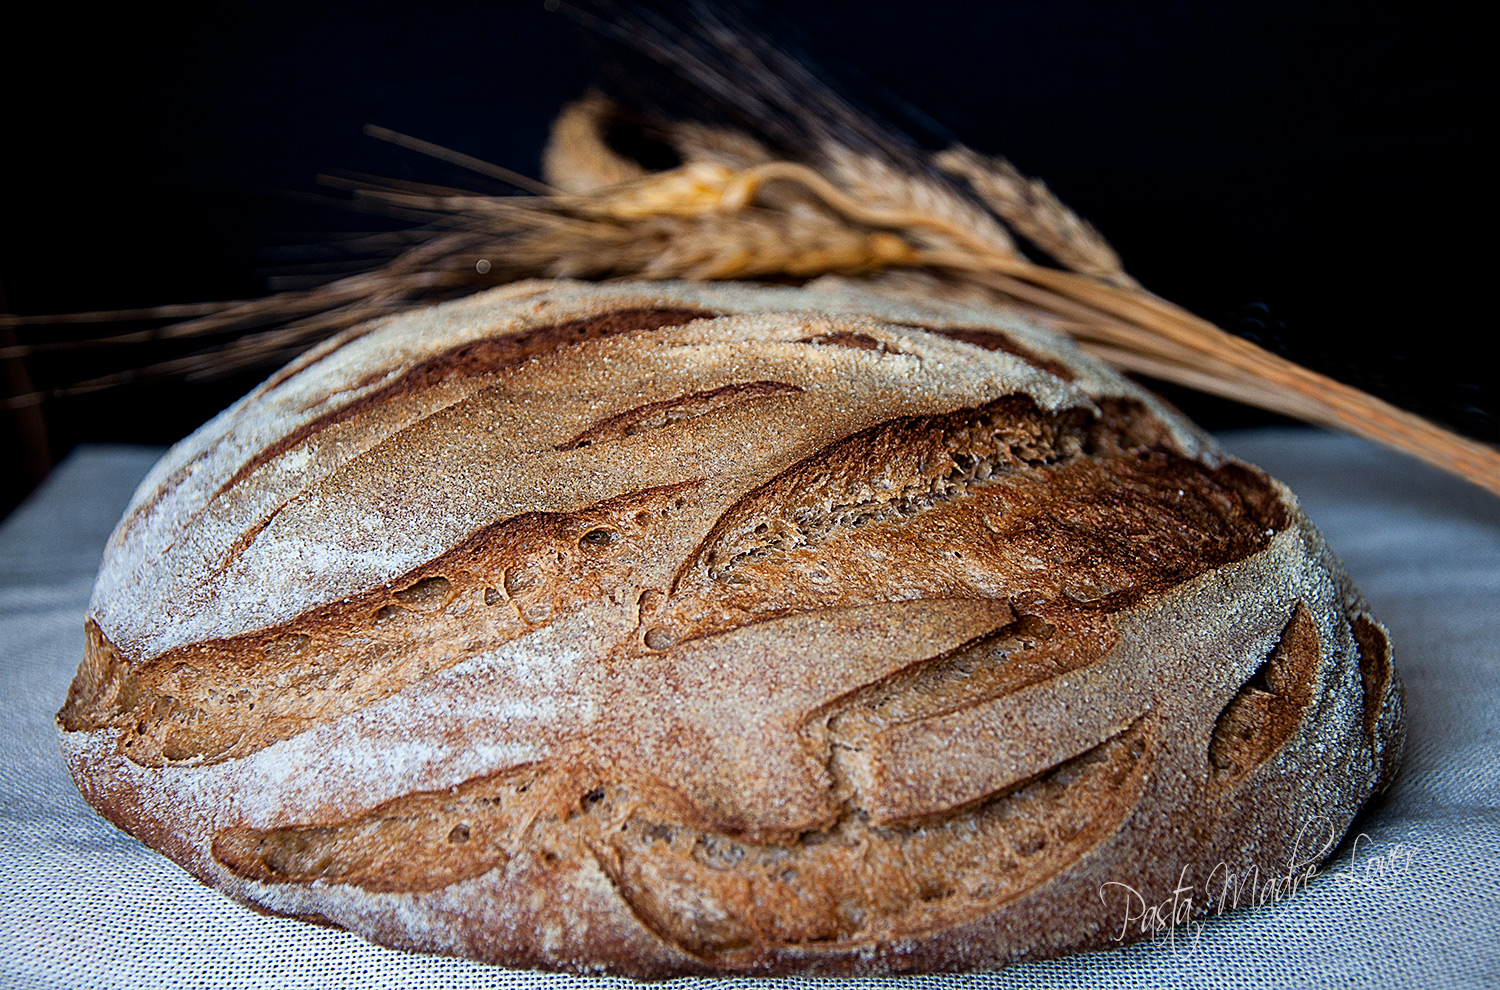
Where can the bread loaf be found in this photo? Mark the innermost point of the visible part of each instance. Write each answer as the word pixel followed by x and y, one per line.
pixel 667 629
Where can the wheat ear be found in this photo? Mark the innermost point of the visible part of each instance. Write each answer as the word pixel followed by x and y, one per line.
pixel 1036 214
pixel 1105 309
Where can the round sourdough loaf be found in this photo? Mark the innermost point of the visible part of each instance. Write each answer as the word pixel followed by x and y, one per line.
pixel 673 629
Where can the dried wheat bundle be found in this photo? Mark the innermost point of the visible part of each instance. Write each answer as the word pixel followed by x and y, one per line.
pixel 799 186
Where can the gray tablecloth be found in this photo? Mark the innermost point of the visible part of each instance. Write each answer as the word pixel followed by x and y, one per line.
pixel 1415 901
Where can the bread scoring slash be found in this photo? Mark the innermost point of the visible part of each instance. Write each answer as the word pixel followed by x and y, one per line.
pixel 666 629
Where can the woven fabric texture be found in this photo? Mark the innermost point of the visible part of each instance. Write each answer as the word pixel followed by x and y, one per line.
pixel 1413 899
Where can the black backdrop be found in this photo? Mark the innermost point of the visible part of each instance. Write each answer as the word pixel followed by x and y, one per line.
pixel 1306 173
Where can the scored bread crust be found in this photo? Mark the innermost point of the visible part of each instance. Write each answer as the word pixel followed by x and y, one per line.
pixel 667 629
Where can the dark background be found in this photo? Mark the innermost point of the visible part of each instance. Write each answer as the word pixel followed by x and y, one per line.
pixel 1305 173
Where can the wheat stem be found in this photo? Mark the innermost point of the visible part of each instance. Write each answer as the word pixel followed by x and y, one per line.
pixel 1200 355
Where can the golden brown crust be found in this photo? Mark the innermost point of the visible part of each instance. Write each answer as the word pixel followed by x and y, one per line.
pixel 670 629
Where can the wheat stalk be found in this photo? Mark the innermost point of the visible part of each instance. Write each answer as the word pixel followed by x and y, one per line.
pixel 733 210
pixel 926 226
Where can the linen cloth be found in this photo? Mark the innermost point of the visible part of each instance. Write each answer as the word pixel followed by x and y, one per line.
pixel 1413 900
